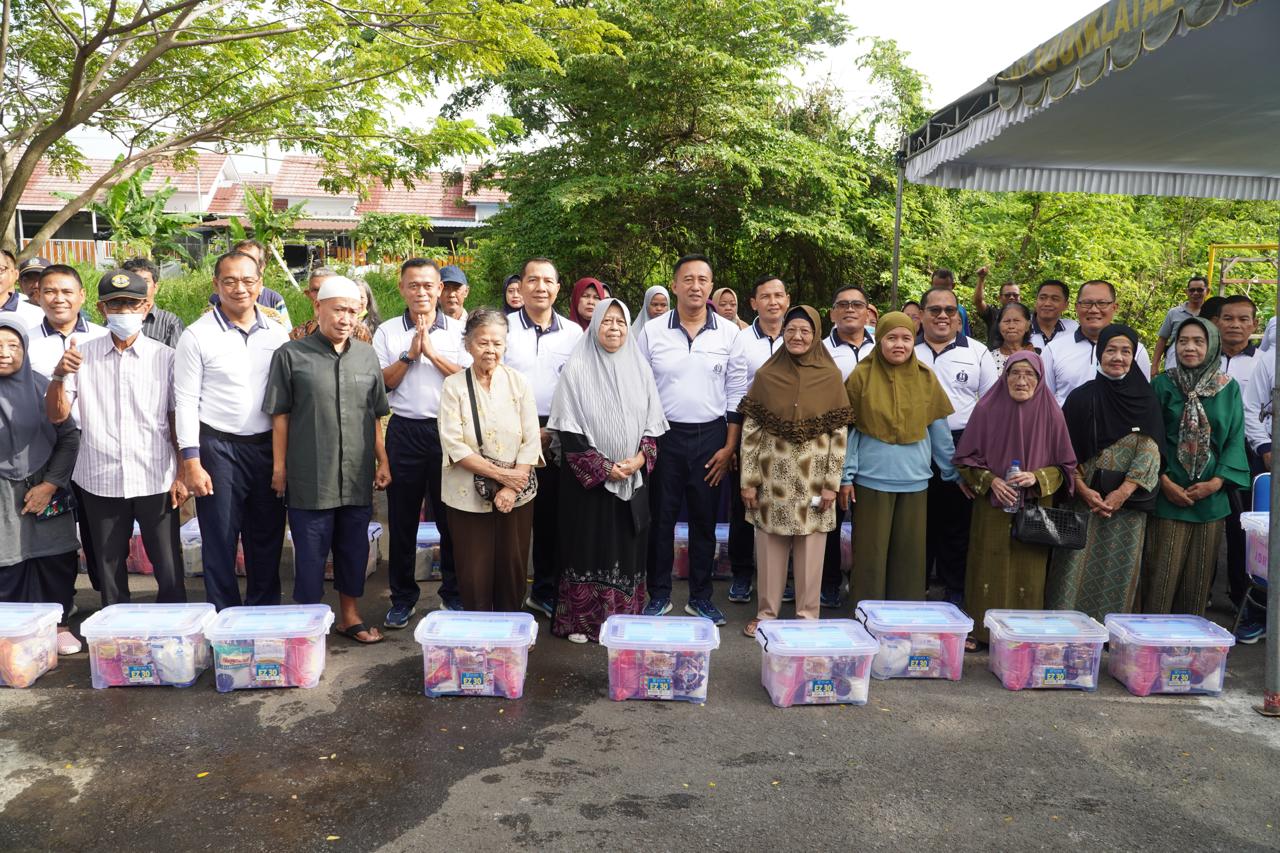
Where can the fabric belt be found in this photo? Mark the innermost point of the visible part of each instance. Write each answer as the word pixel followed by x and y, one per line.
pixel 207 431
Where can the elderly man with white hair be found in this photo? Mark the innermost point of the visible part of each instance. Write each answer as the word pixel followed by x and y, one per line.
pixel 325 395
pixel 219 378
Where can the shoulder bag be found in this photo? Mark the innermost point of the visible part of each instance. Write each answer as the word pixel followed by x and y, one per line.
pixel 487 487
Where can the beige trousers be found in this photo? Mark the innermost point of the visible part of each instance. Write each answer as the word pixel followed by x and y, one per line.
pixel 772 552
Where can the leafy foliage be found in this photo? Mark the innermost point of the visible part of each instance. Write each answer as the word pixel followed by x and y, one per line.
pixel 137 219
pixel 394 236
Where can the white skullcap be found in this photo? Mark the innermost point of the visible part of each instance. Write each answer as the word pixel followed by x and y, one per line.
pixel 338 287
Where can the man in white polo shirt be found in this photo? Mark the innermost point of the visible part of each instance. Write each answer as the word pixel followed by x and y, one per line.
pixel 12 297
pixel 1052 298
pixel 752 347
pixel 417 350
pixel 688 350
pixel 219 377
pixel 539 343
pixel 1070 360
pixel 966 370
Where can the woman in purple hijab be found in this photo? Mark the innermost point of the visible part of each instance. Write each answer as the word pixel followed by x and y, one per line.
pixel 1017 420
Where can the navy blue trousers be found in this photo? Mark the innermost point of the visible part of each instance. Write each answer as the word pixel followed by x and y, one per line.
pixel 316 532
pixel 243 507
pixel 413 451
pixel 678 480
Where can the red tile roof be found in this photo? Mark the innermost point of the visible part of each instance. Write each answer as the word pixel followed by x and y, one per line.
pixel 300 176
pixel 39 192
pixel 437 196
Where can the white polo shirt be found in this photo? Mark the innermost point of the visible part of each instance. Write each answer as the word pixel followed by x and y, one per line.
pixel 48 344
pixel 1064 324
pixel 220 377
pixel 540 354
pixel 694 376
pixel 1242 367
pixel 418 394
pixel 27 314
pixel 848 356
pixel 1257 404
pixel 1070 361
pixel 752 347
pixel 965 369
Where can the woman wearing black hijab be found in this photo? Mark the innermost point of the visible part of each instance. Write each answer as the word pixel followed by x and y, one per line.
pixel 1118 433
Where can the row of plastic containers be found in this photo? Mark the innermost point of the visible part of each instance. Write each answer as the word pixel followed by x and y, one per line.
pixel 486 654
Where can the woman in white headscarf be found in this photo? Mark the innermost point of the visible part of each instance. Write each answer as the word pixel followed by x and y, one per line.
pixel 656 303
pixel 605 417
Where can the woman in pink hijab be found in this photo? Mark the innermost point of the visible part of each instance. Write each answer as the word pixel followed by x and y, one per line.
pixel 587 293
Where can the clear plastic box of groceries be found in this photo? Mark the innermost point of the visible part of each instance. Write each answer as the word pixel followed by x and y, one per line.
pixel 426 565
pixel 1154 653
pixel 1257 526
pixel 721 566
pixel 137 645
pixel 815 661
pixel 281 646
pixel 475 654
pixel 917 639
pixel 659 657
pixel 1045 648
pixel 28 642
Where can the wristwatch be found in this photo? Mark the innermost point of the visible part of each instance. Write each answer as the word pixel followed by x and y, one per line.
pixel 404 356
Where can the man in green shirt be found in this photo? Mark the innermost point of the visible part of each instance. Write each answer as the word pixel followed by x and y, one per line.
pixel 325 395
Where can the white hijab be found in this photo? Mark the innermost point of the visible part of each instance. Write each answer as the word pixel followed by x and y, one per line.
pixel 609 398
pixel 644 308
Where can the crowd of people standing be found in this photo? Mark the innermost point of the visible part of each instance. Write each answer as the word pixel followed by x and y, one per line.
pixel 574 444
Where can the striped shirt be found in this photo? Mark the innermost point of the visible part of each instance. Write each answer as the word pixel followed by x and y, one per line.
pixel 163 326
pixel 126 405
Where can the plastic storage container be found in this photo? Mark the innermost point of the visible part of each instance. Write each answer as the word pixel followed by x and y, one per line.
pixel 475 654
pixel 193 550
pixel 815 662
pixel 659 657
pixel 28 642
pixel 917 639
pixel 279 646
pixel 1167 654
pixel 1045 648
pixel 136 645
pixel 721 566
pixel 1257 525
pixel 426 565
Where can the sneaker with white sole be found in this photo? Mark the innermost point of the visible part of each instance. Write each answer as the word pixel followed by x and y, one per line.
pixel 740 591
pixel 657 607
pixel 704 608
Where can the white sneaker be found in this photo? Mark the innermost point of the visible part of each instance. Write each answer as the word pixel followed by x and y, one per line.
pixel 68 644
pixel 578 638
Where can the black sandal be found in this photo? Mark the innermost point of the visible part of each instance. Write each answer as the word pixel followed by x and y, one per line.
pixel 351 632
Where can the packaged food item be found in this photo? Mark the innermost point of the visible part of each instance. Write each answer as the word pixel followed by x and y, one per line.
pixel 1152 653
pixel 133 645
pixel 28 642
pixel 1045 648
pixel 665 657
pixel 280 646
pixel 917 639
pixel 426 565
pixel 475 654
pixel 815 661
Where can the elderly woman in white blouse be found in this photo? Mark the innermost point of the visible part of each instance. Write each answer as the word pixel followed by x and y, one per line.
pixel 490 436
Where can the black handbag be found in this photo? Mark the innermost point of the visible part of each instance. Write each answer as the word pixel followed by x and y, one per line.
pixel 1045 525
pixel 1105 481
pixel 487 487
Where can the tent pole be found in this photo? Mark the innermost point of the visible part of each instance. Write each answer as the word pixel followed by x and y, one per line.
pixel 900 159
pixel 1271 683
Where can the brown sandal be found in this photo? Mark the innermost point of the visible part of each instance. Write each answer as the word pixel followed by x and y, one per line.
pixel 750 629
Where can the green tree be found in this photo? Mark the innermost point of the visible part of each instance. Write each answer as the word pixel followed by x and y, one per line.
pixel 348 81
pixel 392 235
pixel 137 219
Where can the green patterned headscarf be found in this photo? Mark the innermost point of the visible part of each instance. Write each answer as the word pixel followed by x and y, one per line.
pixel 1196 383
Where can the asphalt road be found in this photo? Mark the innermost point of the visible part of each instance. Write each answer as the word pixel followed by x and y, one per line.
pixel 366 762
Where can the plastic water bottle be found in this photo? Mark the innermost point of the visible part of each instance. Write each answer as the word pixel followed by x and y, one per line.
pixel 1014 470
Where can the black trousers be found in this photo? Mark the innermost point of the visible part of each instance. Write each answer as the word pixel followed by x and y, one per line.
pixel 947 537
pixel 243 507
pixel 679 479
pixel 1240 501
pixel 86 538
pixel 832 570
pixel 546 532
pixel 111 526
pixel 42 580
pixel 413 450
pixel 742 535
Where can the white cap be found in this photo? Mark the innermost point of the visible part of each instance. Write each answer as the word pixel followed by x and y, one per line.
pixel 338 287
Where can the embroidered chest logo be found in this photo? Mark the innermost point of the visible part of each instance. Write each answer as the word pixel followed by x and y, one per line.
pixel 962 376
pixel 718 369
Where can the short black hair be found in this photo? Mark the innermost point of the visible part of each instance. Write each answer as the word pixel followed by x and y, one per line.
pixel 141 264
pixel 924 298
pixel 842 288
pixel 62 269
pixel 688 259
pixel 912 302
pixel 231 256
pixel 524 268
pixel 763 280
pixel 1053 282
pixel 1212 307
pixel 1200 279
pixel 1011 284
pixel 943 272
pixel 416 263
pixel 1237 299
pixel 1093 281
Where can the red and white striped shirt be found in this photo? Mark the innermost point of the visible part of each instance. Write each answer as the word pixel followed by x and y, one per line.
pixel 125 400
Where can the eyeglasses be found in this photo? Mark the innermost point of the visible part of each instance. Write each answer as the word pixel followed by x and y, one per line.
pixel 939 310
pixel 1023 374
pixel 1096 303
pixel 232 282
pixel 849 305
pixel 1195 290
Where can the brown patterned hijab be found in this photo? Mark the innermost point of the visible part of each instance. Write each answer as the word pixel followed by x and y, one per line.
pixel 799 397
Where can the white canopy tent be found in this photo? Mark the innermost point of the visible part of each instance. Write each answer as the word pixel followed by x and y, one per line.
pixel 1141 97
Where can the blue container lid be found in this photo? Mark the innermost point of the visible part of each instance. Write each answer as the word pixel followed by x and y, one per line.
pixel 149 620
pixel 940 617
pixel 20 620
pixel 824 637
pixel 692 633
pixel 453 628
pixel 280 622
pixel 1153 629
pixel 1044 626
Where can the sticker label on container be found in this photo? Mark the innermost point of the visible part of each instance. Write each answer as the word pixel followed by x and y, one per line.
pixel 918 663
pixel 820 690
pixel 1179 678
pixel 268 673
pixel 471 682
pixel 1054 676
pixel 656 687
pixel 143 674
